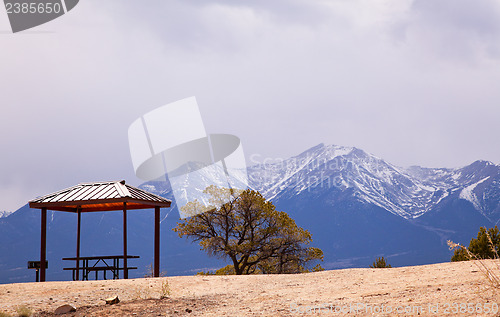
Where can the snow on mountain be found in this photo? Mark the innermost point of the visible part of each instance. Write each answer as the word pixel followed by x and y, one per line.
pixel 468 194
pixel 4 214
pixel 333 167
pixel 406 192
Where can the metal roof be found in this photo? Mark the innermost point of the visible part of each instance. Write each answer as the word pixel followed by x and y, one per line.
pixel 100 196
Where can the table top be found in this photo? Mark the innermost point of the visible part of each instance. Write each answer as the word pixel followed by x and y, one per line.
pixel 103 257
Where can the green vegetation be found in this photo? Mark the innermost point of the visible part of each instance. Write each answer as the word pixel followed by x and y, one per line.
pixel 482 250
pixel 229 270
pixel 24 311
pixel 150 272
pixel 380 263
pixel 152 290
pixel 485 246
pixel 248 230
pixel 165 289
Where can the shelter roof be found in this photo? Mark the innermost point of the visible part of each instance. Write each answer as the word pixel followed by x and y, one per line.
pixel 99 196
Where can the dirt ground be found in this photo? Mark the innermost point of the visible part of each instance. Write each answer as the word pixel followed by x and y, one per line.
pixel 446 289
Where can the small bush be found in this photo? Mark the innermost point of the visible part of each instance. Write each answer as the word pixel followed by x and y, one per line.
pixel 4 314
pixel 317 268
pixel 491 273
pixel 229 270
pixel 24 311
pixel 150 272
pixel 226 270
pixel 165 290
pixel 485 246
pixel 151 290
pixel 380 263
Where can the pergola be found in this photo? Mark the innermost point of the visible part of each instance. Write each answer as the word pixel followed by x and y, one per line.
pixel 101 196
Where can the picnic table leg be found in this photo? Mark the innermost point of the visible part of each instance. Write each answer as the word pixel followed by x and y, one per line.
pixel 86 263
pixel 116 272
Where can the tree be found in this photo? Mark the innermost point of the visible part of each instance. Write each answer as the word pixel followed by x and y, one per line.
pixel 248 230
pixel 485 246
pixel 380 263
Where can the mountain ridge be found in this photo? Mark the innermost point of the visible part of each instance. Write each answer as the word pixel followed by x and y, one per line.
pixel 357 207
pixel 407 192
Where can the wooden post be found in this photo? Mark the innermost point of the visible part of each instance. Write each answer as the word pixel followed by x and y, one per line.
pixel 43 244
pixel 125 267
pixel 157 242
pixel 79 211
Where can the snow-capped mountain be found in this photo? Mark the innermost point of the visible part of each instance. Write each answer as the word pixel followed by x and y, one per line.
pixel 336 192
pixel 356 206
pixel 4 214
pixel 354 174
pixel 406 192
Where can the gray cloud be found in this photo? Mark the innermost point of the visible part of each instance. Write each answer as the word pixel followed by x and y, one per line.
pixel 464 30
pixel 413 82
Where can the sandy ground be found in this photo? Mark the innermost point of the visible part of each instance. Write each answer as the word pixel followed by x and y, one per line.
pixel 446 289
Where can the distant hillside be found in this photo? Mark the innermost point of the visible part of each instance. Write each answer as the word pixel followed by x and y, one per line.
pixel 356 205
pixel 429 290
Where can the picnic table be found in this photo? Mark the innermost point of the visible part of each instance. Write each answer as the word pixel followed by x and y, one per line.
pixel 106 263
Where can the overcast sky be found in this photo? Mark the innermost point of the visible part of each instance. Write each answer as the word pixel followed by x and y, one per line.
pixel 415 82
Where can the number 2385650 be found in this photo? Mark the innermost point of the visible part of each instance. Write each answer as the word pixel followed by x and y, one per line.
pixel 32 7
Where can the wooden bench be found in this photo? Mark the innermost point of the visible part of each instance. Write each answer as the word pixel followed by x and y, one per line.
pixel 99 263
pixel 86 270
pixel 96 269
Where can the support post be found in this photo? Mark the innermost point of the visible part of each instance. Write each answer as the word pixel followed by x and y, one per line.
pixel 157 242
pixel 43 244
pixel 79 211
pixel 125 267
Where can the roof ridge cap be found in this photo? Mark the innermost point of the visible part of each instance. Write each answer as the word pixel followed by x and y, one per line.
pixel 96 183
pixel 122 189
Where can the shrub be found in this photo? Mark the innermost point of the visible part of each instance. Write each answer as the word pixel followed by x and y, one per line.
pixel 491 272
pixel 380 263
pixel 165 289
pixel 150 272
pixel 485 246
pixel 24 311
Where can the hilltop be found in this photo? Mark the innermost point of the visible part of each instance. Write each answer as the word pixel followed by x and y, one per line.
pixel 416 288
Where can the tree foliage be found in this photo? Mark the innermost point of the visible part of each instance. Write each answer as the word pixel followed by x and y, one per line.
pixel 485 246
pixel 247 229
pixel 380 263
